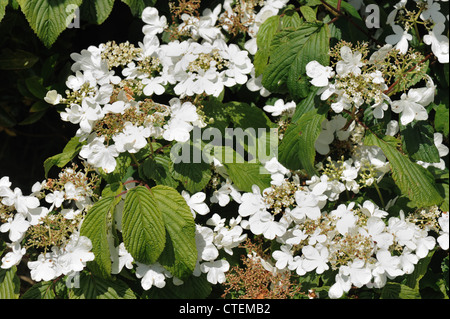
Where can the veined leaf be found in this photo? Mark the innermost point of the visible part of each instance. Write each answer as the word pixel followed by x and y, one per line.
pixel 143 230
pixel 414 181
pixel 265 35
pixel 48 18
pixel 92 287
pixel 9 283
pixel 290 52
pixel 245 175
pixel 418 141
pixel 95 227
pixel 158 170
pixel 297 148
pixel 137 6
pixel 71 150
pixel 3 4
pixel 193 288
pixel 96 11
pixel 180 253
pixel 394 290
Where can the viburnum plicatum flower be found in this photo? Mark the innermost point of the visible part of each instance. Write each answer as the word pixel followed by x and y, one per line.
pixel 400 39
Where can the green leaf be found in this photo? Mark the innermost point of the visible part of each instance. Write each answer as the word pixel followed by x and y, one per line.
pixel 244 116
pixel 245 175
pixel 3 4
pixel 418 141
pixel 158 169
pixel 290 52
pixel 180 254
pixel 394 290
pixel 143 230
pixel 41 290
pixel 137 6
pixel 34 85
pixel 96 227
pixel 71 150
pixel 414 181
pixel 192 288
pixel 92 287
pixel 297 148
pixel 9 283
pixel 48 18
pixel 193 176
pixel 308 13
pixel 96 11
pixel 441 119
pixel 412 280
pixel 306 105
pixel 266 32
pixel 123 165
pixel 17 59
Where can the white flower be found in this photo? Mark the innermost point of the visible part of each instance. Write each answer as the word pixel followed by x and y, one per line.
pixel 124 258
pixel 278 172
pixel 204 237
pixel 222 195
pixel 376 230
pixel 319 73
pixel 152 275
pixel 215 270
pixel 387 264
pixel 75 254
pixel 442 150
pixel 433 12
pixel 85 115
pixel 307 206
pixel 283 257
pixel 350 63
pixel 45 267
pixel 52 97
pixel 56 198
pixel 315 258
pixel 296 264
pixel 132 139
pixel 196 203
pixel 439 42
pixel 408 260
pixel 16 227
pixel 255 84
pixel 392 128
pixel 154 23
pixel 298 236
pixel 360 275
pixel 100 155
pixel 424 243
pixel 21 203
pixel 251 202
pixel 180 124
pixel 13 257
pixel 342 284
pixel 400 38
pixel 443 238
pixel 410 108
pixel 117 107
pixel 263 223
pixel 370 209
pixel 280 107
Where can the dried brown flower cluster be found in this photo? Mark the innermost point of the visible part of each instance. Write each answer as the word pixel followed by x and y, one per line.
pixel 253 281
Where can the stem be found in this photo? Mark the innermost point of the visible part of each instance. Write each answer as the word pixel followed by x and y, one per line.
pixel 379 194
pixel 134 159
pixel 391 88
